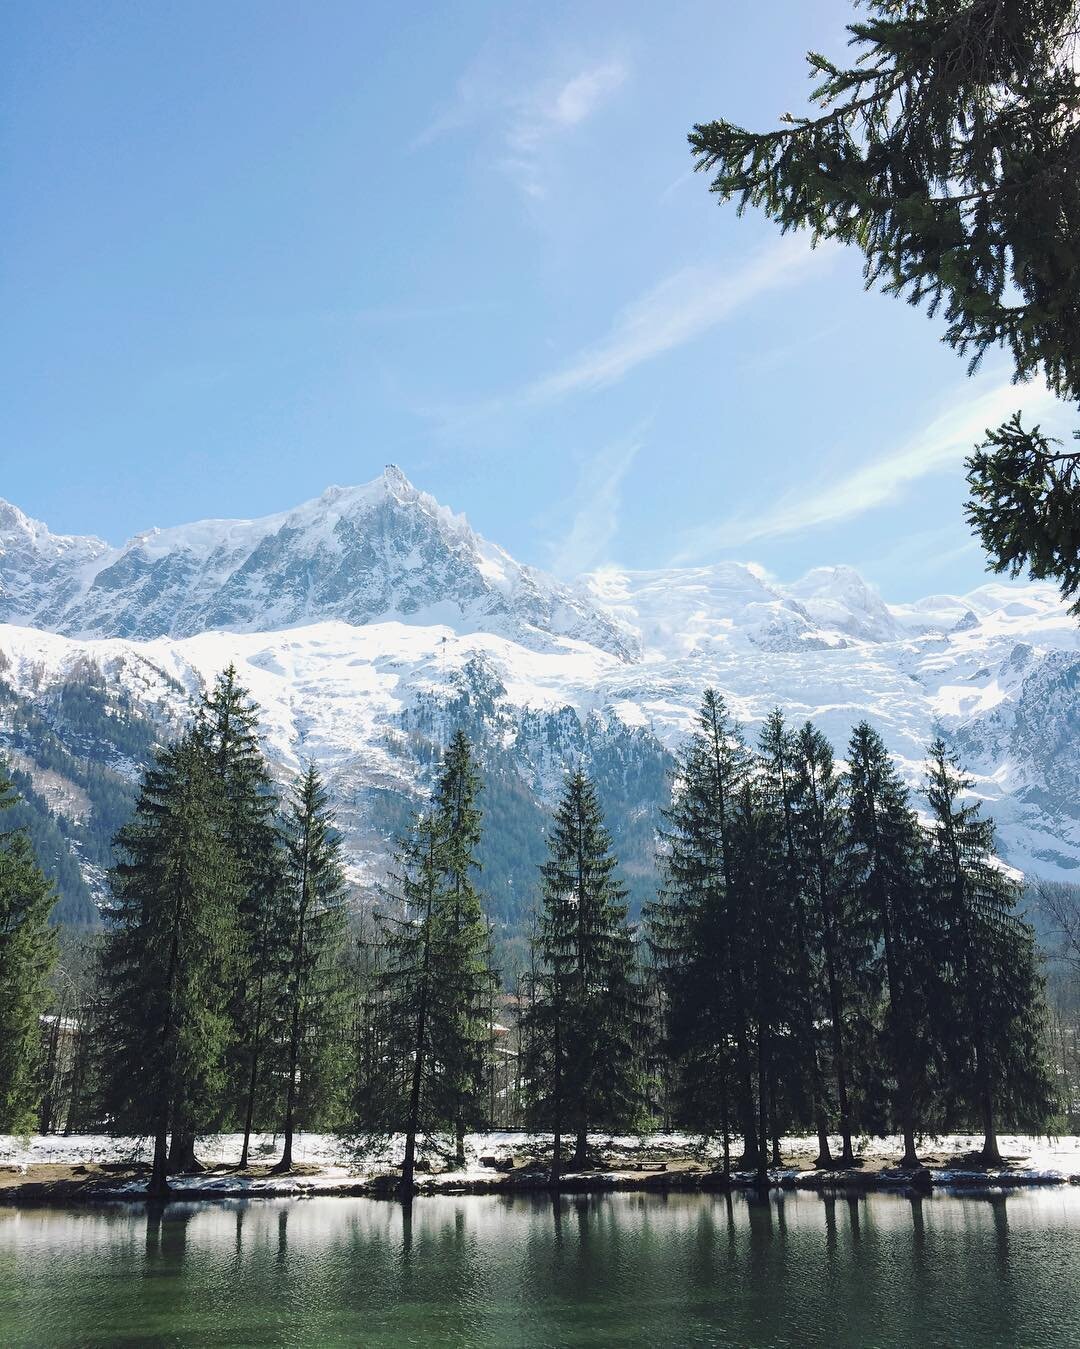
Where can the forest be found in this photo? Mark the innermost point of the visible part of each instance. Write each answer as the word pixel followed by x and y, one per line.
pixel 825 955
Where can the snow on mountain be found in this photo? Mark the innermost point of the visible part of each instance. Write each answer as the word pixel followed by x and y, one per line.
pixel 384 550
pixel 370 622
pixel 39 568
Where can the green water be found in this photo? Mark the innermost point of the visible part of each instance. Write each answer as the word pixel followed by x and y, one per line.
pixel 616 1270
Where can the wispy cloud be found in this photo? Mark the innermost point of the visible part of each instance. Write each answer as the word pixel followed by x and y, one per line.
pixel 679 309
pixel 941 445
pixel 674 186
pixel 921 553
pixel 548 113
pixel 527 121
pixel 596 522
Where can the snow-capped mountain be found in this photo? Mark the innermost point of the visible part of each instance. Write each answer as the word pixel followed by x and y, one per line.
pixel 370 622
pixel 384 550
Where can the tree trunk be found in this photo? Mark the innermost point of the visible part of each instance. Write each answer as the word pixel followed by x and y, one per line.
pixel 911 1156
pixel 253 1077
pixel 459 1143
pixel 581 1149
pixel 248 1120
pixel 45 1118
pixel 847 1153
pixel 991 1155
pixel 158 1187
pixel 182 1159
pixel 408 1165
pixel 556 1157
pixel 777 1160
pixel 749 1160
pixel 762 1165
pixel 298 996
pixel 824 1159
pixel 285 1164
pixel 556 1107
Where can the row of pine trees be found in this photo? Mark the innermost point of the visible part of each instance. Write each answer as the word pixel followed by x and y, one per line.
pixel 222 997
pixel 823 957
pixel 818 959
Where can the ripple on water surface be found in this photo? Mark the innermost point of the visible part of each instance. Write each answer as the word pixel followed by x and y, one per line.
pixel 633 1269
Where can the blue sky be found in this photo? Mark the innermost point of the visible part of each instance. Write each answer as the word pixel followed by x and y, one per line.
pixel 252 249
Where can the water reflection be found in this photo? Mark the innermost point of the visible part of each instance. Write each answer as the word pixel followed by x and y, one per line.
pixel 531 1270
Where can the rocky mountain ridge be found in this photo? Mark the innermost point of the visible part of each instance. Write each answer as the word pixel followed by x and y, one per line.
pixel 382 550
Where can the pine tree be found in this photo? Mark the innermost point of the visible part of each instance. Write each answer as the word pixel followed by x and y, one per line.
pixel 842 943
pixel 947 153
pixel 426 1031
pixel 228 727
pixel 762 882
pixel 402 1088
pixel 463 1044
pixel 999 1011
pixel 27 953
pixel 314 926
pixel 701 936
pixel 690 940
pixel 883 870
pixel 169 959
pixel 584 1024
pixel 797 913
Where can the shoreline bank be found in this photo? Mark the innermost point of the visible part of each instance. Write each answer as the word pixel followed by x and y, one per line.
pixel 509 1167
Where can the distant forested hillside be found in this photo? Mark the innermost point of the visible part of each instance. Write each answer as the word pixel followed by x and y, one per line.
pixel 74 755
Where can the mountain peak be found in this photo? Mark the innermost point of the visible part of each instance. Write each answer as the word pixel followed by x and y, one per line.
pixel 381 550
pixel 396 479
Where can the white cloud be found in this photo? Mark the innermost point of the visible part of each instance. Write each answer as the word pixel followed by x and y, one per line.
pixel 528 125
pixel 596 522
pixel 543 116
pixel 581 95
pixel 679 309
pixel 941 445
pixel 682 307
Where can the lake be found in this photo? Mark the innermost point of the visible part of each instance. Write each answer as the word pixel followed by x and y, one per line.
pixel 626 1269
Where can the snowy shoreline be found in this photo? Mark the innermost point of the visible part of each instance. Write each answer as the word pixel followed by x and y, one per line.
pixel 100 1169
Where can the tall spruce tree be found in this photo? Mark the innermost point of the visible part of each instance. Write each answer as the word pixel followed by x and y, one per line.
pixel 883 859
pixel 27 954
pixel 842 943
pixel 168 963
pixel 463 1037
pixel 701 936
pixel 770 972
pixel 996 1039
pixel 228 726
pixel 796 914
pixel 313 920
pixel 948 154
pixel 426 1028
pixel 690 937
pixel 583 1025
pixel 401 1091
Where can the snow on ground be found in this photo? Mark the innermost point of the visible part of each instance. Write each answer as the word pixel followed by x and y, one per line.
pixel 329 1161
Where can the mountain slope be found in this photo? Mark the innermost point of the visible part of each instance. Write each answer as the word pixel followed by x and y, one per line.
pixel 383 550
pixel 541 676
